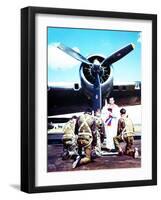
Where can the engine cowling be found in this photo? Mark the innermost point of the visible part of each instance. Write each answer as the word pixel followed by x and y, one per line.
pixel 87 78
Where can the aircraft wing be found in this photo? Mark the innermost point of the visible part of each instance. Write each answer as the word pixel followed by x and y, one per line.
pixel 66 98
pixel 127 94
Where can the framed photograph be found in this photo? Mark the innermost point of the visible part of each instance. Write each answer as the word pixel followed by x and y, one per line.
pixel 88 99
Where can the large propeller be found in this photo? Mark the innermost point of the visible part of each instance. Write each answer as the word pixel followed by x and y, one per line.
pixel 118 55
pixel 97 69
pixel 73 53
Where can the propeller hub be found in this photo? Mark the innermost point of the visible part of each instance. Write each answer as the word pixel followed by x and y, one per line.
pixel 97 69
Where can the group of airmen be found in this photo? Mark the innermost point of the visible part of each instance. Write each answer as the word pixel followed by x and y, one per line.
pixel 85 136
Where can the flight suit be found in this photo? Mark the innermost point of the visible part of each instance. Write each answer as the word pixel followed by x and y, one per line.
pixel 125 133
pixel 100 133
pixel 69 140
pixel 86 137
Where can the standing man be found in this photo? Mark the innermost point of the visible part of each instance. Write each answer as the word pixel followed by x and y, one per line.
pixel 110 114
pixel 87 138
pixel 125 133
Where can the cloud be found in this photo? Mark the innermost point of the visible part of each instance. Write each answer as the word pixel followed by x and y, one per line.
pixel 139 38
pixel 57 59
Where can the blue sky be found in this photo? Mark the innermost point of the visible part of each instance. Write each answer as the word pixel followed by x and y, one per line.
pixel 62 67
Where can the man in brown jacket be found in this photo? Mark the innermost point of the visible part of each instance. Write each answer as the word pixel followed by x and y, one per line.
pixel 100 131
pixel 87 138
pixel 69 139
pixel 125 133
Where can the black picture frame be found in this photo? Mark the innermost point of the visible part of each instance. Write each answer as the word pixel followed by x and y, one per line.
pixel 28 98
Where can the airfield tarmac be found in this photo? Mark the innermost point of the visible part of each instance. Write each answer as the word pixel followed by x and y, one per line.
pixel 55 148
pixel 55 162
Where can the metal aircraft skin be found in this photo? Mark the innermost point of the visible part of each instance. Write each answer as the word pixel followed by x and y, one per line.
pixel 96 84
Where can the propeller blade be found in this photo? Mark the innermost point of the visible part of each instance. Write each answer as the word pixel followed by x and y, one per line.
pixel 118 55
pixel 97 94
pixel 73 53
